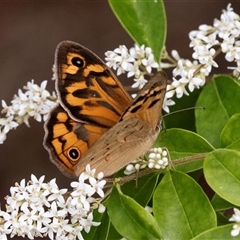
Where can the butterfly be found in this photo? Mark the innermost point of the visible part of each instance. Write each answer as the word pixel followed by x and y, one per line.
pixel 96 121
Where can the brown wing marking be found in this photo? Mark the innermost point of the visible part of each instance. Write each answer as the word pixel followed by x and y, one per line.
pixel 67 141
pixel 89 91
pixel 148 103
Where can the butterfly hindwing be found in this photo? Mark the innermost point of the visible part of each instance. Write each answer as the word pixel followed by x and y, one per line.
pixel 67 140
pixel 118 147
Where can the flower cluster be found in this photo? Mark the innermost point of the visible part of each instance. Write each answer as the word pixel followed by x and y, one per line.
pixel 157 159
pixel 236 218
pixel 137 61
pixel 39 209
pixel 207 42
pixel 34 102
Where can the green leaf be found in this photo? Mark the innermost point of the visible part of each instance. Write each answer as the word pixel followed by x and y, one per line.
pixel 141 190
pixel 219 233
pixel 221 170
pixel 221 99
pixel 220 204
pixel 113 234
pixel 145 22
pixel 130 219
pixel 221 219
pixel 182 143
pixel 181 208
pixel 230 138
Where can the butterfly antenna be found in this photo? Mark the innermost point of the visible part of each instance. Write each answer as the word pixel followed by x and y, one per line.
pixel 185 109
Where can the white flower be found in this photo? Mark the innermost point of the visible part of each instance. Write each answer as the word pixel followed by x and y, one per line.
pixel 205 56
pixel 185 75
pixel 64 227
pixel 88 174
pixel 98 186
pixel 206 35
pixel 167 102
pixel 4 226
pixel 137 52
pixel 183 66
pixel 41 219
pixel 227 44
pixel 179 87
pixel 211 40
pixel 37 184
pixel 110 59
pixel 148 52
pixel 88 222
pixel 236 70
pixel 150 63
pixel 119 59
pixel 8 110
pixel 2 137
pixel 236 218
pixel 232 51
pixel 28 215
pixel 139 82
pixel 134 70
pixel 48 230
pixel 57 194
pixel 8 124
pixel 80 188
pixel 236 230
pixel 55 212
pixel 195 81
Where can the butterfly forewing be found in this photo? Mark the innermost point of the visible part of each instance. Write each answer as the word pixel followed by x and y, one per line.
pixel 149 100
pixel 133 135
pixel 88 90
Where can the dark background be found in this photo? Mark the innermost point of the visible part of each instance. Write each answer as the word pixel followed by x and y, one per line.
pixel 30 32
